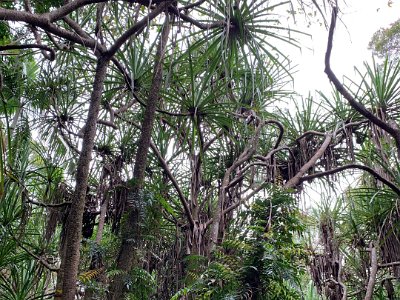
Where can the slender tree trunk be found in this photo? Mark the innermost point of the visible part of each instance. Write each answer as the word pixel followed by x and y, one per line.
pixel 130 226
pixel 102 220
pixel 74 220
pixel 374 270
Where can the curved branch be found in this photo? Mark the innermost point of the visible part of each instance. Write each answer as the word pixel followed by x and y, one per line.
pixel 67 141
pixel 240 201
pixel 296 179
pixel 31 46
pixel 310 132
pixel 43 22
pixel 212 140
pixel 68 8
pixel 136 28
pixel 76 27
pixel 281 131
pixel 319 133
pixel 353 166
pixel 269 156
pixel 394 132
pixel 36 34
pixel 240 176
pixel 107 123
pixel 194 22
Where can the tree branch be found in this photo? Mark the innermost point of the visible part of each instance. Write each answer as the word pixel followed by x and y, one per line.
pixel 395 133
pixel 372 275
pixel 296 179
pixel 39 259
pixel 194 22
pixel 192 5
pixel 48 204
pixel 51 57
pixel 391 264
pixel 281 131
pixel 136 28
pixel 174 182
pixel 68 8
pixel 353 166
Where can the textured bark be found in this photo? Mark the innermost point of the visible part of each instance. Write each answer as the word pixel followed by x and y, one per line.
pixel 295 180
pixel 74 220
pixel 373 271
pixel 130 225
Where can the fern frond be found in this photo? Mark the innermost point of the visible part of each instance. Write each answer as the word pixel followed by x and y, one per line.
pixel 89 275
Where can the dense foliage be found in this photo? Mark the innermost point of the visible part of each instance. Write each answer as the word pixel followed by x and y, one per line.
pixel 147 152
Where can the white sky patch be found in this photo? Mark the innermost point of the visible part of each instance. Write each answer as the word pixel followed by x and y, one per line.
pixel 360 19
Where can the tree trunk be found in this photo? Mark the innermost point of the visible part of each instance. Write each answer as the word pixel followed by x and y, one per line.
pixel 374 270
pixel 130 225
pixel 74 220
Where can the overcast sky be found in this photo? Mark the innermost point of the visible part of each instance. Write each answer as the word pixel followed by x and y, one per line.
pixel 360 19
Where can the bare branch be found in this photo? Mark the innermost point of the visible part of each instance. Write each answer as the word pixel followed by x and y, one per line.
pixel 394 132
pixel 36 34
pixel 353 166
pixel 196 23
pixel 52 54
pixel 281 131
pixel 391 264
pixel 310 132
pixel 107 123
pixel 78 29
pixel 68 8
pixel 192 5
pixel 136 28
pixel 296 179
pixel 372 275
pixel 319 133
pixel 269 156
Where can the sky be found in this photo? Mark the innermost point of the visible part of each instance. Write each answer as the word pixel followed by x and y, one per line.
pixel 360 19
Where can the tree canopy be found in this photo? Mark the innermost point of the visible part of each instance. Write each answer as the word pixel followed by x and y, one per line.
pixel 156 150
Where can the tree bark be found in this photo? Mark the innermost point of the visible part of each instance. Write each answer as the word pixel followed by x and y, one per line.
pixel 295 180
pixel 247 154
pixel 130 226
pixel 372 275
pixel 74 220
